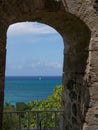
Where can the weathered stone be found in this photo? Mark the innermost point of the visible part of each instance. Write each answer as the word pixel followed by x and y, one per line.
pixel 74 109
pixel 70 84
pixel 74 121
pixel 73 95
pixel 96 5
pixel 77 22
pixel 68 127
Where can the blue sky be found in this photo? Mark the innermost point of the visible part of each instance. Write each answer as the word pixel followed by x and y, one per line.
pixel 33 49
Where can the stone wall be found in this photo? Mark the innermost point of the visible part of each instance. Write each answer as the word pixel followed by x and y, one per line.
pixel 77 22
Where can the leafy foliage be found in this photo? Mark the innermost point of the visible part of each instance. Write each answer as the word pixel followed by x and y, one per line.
pixel 53 102
pixel 8 118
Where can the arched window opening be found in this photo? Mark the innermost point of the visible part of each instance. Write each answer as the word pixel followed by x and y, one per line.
pixel 34 62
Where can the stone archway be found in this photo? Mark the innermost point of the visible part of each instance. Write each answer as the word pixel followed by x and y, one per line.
pixel 77 23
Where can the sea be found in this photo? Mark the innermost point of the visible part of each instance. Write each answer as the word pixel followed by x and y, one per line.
pixel 28 88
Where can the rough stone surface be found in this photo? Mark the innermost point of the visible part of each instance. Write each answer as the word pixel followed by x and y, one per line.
pixel 77 22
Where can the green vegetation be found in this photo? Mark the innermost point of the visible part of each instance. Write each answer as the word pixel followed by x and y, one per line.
pixel 9 119
pixel 53 102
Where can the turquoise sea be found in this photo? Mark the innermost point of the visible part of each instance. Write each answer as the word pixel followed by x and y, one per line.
pixel 25 89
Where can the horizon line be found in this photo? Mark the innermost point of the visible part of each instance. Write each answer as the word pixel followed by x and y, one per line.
pixel 31 75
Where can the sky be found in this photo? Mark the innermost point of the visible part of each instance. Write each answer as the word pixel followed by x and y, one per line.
pixel 33 49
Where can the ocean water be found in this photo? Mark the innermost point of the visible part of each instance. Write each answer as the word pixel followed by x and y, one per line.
pixel 25 89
